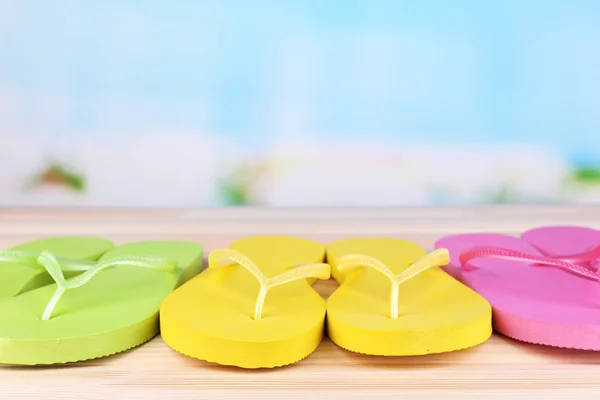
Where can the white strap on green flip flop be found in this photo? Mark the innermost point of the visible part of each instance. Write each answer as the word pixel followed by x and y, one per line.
pixel 54 267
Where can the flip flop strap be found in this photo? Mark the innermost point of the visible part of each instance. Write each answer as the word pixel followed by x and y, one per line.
pixel 52 264
pixel 230 257
pixel 436 258
pixel 588 257
pixel 506 254
pixel 31 259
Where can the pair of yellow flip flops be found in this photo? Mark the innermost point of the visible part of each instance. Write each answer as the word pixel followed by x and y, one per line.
pixel 255 307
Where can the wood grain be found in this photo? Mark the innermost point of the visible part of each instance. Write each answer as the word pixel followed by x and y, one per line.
pixel 500 368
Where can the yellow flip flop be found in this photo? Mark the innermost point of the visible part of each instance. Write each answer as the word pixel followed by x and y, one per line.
pixel 253 307
pixel 395 301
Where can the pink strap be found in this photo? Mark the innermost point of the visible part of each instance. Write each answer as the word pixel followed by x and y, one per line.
pixel 564 263
pixel 588 257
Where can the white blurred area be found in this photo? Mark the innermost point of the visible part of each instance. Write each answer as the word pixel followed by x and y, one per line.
pixel 149 169
pixel 330 174
pixel 186 169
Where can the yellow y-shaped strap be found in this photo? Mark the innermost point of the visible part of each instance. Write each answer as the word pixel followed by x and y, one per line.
pixel 228 257
pixel 436 258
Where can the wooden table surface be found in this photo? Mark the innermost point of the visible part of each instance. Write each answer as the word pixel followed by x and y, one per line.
pixel 500 368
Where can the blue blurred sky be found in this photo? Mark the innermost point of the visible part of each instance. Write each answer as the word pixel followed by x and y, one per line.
pixel 523 71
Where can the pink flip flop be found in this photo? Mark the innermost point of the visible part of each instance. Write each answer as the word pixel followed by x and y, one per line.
pixel 544 288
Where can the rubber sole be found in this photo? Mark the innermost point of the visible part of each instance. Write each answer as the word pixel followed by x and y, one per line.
pixel 547 333
pixel 248 355
pixel 68 350
pixel 410 343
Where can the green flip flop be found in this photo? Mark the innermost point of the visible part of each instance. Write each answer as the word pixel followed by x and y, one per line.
pixel 111 307
pixel 20 272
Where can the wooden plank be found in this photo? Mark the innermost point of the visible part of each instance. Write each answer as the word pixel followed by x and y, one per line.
pixel 500 368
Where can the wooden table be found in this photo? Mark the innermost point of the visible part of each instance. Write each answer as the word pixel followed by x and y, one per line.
pixel 500 368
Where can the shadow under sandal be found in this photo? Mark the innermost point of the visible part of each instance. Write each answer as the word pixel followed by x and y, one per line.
pixel 395 301
pixel 20 271
pixel 110 307
pixel 253 307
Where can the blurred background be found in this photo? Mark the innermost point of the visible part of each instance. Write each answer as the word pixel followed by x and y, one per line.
pixel 299 103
